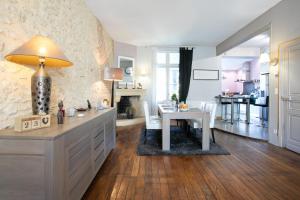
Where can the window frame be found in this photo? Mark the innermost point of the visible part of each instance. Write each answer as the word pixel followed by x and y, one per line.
pixel 167 66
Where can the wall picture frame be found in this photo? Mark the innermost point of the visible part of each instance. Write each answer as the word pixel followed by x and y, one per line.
pixel 128 66
pixel 206 74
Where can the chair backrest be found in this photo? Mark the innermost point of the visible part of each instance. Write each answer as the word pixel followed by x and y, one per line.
pixel 196 104
pixel 202 105
pixel 212 109
pixel 147 114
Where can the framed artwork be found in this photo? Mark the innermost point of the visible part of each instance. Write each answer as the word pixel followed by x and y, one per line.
pixel 205 74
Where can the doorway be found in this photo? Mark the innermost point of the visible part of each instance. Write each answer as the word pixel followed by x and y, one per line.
pixel 245 78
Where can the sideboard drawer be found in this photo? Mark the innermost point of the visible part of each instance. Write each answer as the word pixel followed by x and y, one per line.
pixel 99 158
pixel 98 149
pixel 98 141
pixel 99 132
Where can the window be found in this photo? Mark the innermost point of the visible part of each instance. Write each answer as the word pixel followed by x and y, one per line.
pixel 166 75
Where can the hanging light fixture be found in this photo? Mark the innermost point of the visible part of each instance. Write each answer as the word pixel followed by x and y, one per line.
pixel 264 57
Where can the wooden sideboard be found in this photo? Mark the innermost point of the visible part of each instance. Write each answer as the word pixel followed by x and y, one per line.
pixel 56 163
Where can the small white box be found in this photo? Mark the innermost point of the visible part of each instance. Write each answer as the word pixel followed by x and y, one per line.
pixel 45 121
pixel 36 123
pixel 26 125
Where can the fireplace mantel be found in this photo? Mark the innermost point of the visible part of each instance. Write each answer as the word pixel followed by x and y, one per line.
pixel 128 92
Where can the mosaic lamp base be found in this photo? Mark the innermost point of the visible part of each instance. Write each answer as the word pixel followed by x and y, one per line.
pixel 40 91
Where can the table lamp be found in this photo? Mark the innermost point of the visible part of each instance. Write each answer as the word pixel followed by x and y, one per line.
pixel 39 51
pixel 113 74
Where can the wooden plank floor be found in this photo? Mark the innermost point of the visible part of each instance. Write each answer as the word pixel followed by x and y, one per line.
pixel 254 170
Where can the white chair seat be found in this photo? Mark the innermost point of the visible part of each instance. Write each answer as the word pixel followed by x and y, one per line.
pixel 155 124
pixel 154 117
pixel 152 122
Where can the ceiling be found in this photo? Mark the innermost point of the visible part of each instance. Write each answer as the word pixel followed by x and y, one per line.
pixel 176 22
pixel 260 41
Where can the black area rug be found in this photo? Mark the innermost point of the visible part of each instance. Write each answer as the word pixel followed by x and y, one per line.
pixel 181 144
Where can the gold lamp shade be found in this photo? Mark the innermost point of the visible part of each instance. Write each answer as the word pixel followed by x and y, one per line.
pixel 39 47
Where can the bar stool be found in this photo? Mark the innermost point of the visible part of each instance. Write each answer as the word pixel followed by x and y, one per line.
pixel 265 105
pixel 238 103
pixel 244 102
pixel 224 103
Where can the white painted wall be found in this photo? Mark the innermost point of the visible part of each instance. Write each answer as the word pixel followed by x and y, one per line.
pixel 205 90
pixel 123 49
pixel 144 70
pixel 283 20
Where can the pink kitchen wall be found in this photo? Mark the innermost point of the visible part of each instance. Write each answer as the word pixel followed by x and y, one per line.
pixel 255 70
pixel 228 81
pixel 248 71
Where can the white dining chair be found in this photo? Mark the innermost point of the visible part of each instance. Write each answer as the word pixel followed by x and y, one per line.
pixel 196 104
pixel 197 123
pixel 152 122
pixel 212 109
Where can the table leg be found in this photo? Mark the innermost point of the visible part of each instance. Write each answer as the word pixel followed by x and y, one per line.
pixel 166 135
pixel 248 112
pixel 232 112
pixel 205 133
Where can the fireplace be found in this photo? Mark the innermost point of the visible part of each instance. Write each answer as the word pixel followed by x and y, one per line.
pixel 129 104
pixel 125 109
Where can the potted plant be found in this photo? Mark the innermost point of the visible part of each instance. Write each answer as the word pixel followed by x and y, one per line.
pixel 174 99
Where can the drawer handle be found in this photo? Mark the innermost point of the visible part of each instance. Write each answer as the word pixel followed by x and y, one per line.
pixel 99 133
pixel 100 154
pixel 96 147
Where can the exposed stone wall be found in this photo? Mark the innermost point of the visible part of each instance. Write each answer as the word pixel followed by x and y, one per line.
pixel 76 31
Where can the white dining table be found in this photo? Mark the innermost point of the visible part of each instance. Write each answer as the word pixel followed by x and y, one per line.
pixel 168 112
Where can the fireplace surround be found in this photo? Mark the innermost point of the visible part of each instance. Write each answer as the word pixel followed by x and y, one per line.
pixel 129 103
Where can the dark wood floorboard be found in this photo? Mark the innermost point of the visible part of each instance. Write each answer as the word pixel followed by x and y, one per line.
pixel 254 170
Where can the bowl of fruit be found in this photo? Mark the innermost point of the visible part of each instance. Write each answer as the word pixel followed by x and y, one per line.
pixel 183 107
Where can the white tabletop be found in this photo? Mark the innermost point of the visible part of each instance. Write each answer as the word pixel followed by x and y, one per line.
pixel 169 109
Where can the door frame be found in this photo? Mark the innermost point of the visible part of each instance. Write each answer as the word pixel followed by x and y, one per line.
pixel 283 92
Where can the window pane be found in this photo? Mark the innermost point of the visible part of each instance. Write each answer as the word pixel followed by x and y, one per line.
pixel 173 82
pixel 174 58
pixel 161 58
pixel 161 84
pixel 173 76
pixel 173 89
